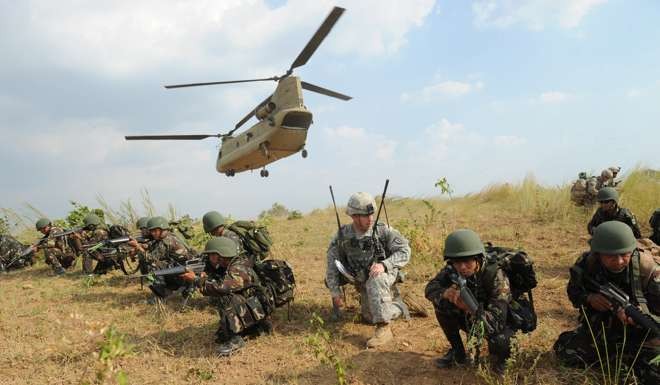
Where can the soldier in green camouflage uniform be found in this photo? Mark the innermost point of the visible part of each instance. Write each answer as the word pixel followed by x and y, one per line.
pixel 143 238
pixel 10 253
pixel 353 246
pixel 243 304
pixel 59 252
pixel 164 251
pixel 609 210
pixel 614 258
pixel 465 255
pixel 93 232
pixel 215 224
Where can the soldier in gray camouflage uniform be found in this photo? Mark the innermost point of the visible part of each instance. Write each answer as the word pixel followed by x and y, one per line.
pixel 614 258
pixel 353 246
pixel 465 255
pixel 243 304
pixel 11 251
pixel 164 251
pixel 609 210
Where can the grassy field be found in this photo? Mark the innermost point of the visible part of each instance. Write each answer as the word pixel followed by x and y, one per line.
pixel 76 330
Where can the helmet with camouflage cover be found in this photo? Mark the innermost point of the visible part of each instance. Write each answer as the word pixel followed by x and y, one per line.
pixel 223 246
pixel 607 194
pixel 42 223
pixel 212 220
pixel 91 220
pixel 361 203
pixel 463 243
pixel 613 237
pixel 582 175
pixel 142 223
pixel 607 174
pixel 158 223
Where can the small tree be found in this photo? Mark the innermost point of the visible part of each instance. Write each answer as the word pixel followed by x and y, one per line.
pixel 444 186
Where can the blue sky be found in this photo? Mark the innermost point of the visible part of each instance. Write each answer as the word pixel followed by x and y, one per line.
pixel 481 92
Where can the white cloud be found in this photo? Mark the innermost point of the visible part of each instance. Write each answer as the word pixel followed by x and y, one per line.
pixel 554 97
pixel 443 89
pixel 509 140
pixel 126 37
pixel 534 14
pixel 351 142
pixel 633 93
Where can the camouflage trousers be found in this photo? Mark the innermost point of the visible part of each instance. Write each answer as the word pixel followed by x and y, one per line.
pixel 57 259
pixel 242 314
pixel 576 348
pixel 452 320
pixel 377 296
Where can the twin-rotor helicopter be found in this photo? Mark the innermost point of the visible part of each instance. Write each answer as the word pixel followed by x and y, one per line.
pixel 283 119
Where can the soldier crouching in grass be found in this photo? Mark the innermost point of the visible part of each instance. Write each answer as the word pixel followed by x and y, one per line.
pixel 356 248
pixel 490 293
pixel 243 304
pixel 58 251
pixel 608 336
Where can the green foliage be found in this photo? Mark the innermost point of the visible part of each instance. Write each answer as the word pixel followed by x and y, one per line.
pixel 200 374
pixel 4 225
pixel 277 210
pixel 77 214
pixel 294 214
pixel 322 344
pixel 114 346
pixel 444 186
pixel 418 231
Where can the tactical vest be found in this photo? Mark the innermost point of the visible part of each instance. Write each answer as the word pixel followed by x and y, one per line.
pixel 358 254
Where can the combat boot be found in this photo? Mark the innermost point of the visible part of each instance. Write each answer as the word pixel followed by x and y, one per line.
pixel 59 271
pixel 454 357
pixel 382 336
pixel 231 346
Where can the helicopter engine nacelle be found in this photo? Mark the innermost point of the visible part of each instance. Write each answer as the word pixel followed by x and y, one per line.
pixel 265 110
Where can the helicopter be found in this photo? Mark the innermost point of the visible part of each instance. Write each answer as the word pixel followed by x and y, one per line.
pixel 283 119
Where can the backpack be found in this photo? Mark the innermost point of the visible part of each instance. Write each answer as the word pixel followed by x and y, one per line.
pixel 256 239
pixel 117 231
pixel 655 226
pixel 277 277
pixel 519 269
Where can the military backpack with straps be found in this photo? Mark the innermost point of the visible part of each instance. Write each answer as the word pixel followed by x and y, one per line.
pixel 277 277
pixel 256 238
pixel 519 269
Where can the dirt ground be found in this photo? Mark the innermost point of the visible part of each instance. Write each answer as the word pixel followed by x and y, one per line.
pixel 51 328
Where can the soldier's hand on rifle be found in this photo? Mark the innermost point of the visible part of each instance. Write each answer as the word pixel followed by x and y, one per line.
pixel 623 317
pixel 376 269
pixel 188 276
pixel 337 302
pixel 598 302
pixel 452 294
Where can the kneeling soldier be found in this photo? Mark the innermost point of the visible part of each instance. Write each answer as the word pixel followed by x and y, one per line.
pixel 243 304
pixel 355 248
pixel 614 263
pixel 484 304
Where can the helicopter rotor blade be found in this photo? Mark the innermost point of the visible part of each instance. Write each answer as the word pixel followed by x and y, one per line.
pixel 275 78
pixel 171 137
pixel 318 37
pixel 249 115
pixel 324 91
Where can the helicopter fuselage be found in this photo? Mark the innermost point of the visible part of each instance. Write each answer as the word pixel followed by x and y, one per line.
pixel 280 132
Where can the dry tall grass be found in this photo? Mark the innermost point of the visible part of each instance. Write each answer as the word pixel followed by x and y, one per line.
pixel 56 330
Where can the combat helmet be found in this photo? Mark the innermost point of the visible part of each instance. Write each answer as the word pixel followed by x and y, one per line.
pixel 91 220
pixel 607 194
pixel 213 220
pixel 612 238
pixel 361 203
pixel 582 175
pixel 158 223
pixel 42 223
pixel 142 223
pixel 223 246
pixel 463 243
pixel 607 174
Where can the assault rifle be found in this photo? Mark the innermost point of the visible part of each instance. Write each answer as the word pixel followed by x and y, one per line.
pixel 195 265
pixel 620 300
pixel 336 311
pixel 468 298
pixel 40 243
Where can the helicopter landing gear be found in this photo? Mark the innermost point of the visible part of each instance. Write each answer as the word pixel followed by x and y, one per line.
pixel 230 173
pixel 304 153
pixel 264 173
